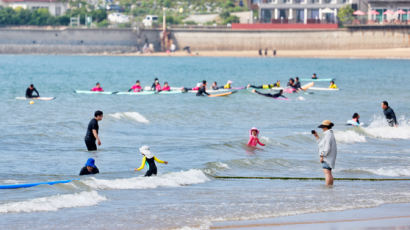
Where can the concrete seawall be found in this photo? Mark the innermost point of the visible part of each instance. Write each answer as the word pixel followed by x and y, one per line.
pixel 83 41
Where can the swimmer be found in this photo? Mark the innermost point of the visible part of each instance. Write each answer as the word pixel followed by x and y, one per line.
pixel 150 159
pixel 166 87
pixel 253 138
pixel 97 88
pixel 332 85
pixel 276 95
pixel 389 114
pixel 355 120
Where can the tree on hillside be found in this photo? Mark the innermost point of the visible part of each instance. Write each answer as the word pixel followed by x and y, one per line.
pixel 345 15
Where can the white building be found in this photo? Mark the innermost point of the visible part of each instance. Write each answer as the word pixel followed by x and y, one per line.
pixel 381 6
pixel 118 18
pixel 301 11
pixel 55 7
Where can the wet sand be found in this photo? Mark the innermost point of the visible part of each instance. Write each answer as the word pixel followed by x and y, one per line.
pixel 399 53
pixel 390 216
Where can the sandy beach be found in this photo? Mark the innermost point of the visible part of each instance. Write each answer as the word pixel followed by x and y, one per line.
pixel 399 53
pixel 389 216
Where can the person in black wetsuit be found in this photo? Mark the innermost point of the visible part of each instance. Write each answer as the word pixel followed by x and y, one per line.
pixel 215 86
pixel 276 95
pixel 92 132
pixel 89 168
pixel 314 76
pixel 30 90
pixel 156 81
pixel 389 114
pixel 150 159
pixel 202 89
pixel 297 84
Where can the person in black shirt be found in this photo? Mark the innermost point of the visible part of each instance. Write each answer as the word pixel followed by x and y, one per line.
pixel 156 81
pixel 92 132
pixel 276 95
pixel 89 168
pixel 389 114
pixel 202 89
pixel 30 90
pixel 297 84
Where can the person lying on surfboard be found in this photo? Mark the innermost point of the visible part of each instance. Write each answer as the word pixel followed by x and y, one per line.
pixel 166 87
pixel 215 86
pixel 276 95
pixel 314 76
pixel 228 85
pixel 97 88
pixel 268 86
pixel 253 138
pixel 150 159
pixel 30 90
pixel 136 88
pixel 332 85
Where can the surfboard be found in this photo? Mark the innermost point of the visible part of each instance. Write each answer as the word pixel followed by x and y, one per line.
pixel 221 94
pixel 150 92
pixel 323 89
pixel 276 98
pixel 320 79
pixel 36 98
pixel 307 86
pixel 15 186
pixel 93 92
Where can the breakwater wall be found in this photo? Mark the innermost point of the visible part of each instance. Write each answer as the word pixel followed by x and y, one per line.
pixel 78 41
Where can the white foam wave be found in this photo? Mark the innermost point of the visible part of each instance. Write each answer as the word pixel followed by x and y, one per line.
pixel 53 203
pixel 300 98
pixel 134 116
pixel 388 171
pixel 379 128
pixel 349 136
pixel 175 179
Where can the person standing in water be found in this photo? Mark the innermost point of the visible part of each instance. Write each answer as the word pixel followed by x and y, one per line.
pixel 92 132
pixel 327 149
pixel 389 114
pixel 253 138
pixel 150 159
pixel 89 168
pixel 30 90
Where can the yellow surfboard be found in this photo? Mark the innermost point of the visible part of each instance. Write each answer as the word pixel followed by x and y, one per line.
pixel 307 86
pixel 220 94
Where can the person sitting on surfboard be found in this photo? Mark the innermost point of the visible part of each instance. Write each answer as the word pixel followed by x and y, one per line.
pixel 276 95
pixel 297 84
pixel 332 85
pixel 89 168
pixel 355 120
pixel 136 88
pixel 166 87
pixel 97 88
pixel 150 159
pixel 154 85
pixel 202 89
pixel 30 90
pixel 253 138
pixel 157 86
pixel 314 76
pixel 268 86
pixel 228 85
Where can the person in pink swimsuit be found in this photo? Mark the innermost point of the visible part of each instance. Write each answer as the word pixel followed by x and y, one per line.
pixel 166 87
pixel 253 138
pixel 97 88
pixel 136 88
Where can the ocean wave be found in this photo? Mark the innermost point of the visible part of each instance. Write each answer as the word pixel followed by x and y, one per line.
pixel 174 179
pixel 388 171
pixel 348 137
pixel 133 116
pixel 379 128
pixel 53 203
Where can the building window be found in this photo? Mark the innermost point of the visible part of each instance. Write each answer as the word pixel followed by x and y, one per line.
pixel 58 11
pixel 328 1
pixel 298 1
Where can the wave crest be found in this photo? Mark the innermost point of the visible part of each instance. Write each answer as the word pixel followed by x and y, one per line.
pixel 133 116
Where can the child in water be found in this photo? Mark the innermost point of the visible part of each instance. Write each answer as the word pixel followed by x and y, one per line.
pixel 253 138
pixel 150 159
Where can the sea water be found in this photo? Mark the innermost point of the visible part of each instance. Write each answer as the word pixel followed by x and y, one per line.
pixel 200 137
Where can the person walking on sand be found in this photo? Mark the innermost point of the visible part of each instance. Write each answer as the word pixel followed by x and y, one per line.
pixel 150 159
pixel 92 132
pixel 327 149
pixel 389 114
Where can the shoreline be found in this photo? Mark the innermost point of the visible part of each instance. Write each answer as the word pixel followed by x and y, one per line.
pixel 386 216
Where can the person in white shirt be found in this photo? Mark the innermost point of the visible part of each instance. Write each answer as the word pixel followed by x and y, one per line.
pixel 327 149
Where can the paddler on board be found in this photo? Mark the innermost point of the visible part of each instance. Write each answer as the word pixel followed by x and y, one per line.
pixel 30 90
pixel 332 85
pixel 267 86
pixel 202 89
pixel 136 88
pixel 97 88
pixel 228 85
pixel 149 158
pixel 275 96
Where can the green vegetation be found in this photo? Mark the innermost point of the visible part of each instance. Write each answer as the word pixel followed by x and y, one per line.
pixel 39 17
pixel 345 15
pixel 228 18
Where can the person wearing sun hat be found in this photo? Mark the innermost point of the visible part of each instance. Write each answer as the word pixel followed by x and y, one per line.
pixel 150 159
pixel 327 149
pixel 89 168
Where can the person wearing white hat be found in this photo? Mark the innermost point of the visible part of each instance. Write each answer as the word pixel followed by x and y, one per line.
pixel 150 159
pixel 327 149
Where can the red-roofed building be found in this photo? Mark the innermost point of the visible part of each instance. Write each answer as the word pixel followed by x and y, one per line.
pixel 55 7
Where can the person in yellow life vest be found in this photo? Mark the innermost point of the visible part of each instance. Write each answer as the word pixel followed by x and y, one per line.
pixel 268 86
pixel 150 159
pixel 332 85
pixel 228 85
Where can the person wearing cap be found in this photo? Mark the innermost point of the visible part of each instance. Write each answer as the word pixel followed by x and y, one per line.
pixel 389 114
pixel 89 168
pixel 228 85
pixel 30 90
pixel 92 132
pixel 327 149
pixel 97 88
pixel 202 89
pixel 150 159
pixel 253 138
